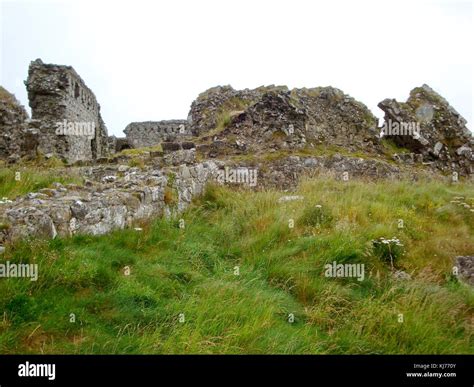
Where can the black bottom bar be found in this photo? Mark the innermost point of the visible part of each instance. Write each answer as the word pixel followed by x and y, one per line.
pixel 137 370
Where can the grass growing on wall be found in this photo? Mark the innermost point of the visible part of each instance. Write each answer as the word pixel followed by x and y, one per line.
pixel 21 179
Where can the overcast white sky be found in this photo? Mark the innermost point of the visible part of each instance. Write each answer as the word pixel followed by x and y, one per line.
pixel 148 60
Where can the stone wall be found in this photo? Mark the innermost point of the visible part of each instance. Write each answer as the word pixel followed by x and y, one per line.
pixel 114 197
pixel 16 140
pixel 151 133
pixel 57 94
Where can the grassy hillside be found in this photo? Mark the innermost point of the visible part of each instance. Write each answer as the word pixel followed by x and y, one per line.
pixel 231 280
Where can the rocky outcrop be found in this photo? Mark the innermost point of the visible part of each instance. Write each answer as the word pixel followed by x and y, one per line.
pixel 211 106
pixel 429 126
pixel 335 118
pixel 276 118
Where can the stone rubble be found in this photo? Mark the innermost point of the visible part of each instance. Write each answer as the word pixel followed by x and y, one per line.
pixel 443 140
pixel 109 202
pixel 465 267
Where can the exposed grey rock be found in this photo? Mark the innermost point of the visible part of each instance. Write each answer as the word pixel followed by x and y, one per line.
pixel 465 265
pixel 16 140
pixel 119 144
pixel 286 173
pixel 170 146
pixel 57 94
pixel 404 158
pixel 29 221
pixel 443 138
pixel 276 118
pixel 109 179
pixel 205 110
pixel 79 210
pixel 98 210
pixel 151 133
pixel 180 157
pixel 465 151
pixel 401 275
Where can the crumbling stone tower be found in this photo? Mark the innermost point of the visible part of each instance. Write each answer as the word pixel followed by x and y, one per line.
pixel 58 97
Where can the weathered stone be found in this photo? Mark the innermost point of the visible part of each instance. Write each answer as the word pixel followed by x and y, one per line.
pixel 170 146
pixel 285 173
pixel 276 118
pixel 151 133
pixel 135 196
pixel 437 148
pixel 465 266
pixel 70 124
pixel 180 157
pixel 121 144
pixel 79 210
pixel 29 221
pixel 401 275
pixel 16 140
pixel 441 133
pixel 209 105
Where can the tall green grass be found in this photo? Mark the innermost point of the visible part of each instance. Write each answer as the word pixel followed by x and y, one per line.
pixel 31 179
pixel 183 294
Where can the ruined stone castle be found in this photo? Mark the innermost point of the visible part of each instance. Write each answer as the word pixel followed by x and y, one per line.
pixel 280 133
pixel 66 123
